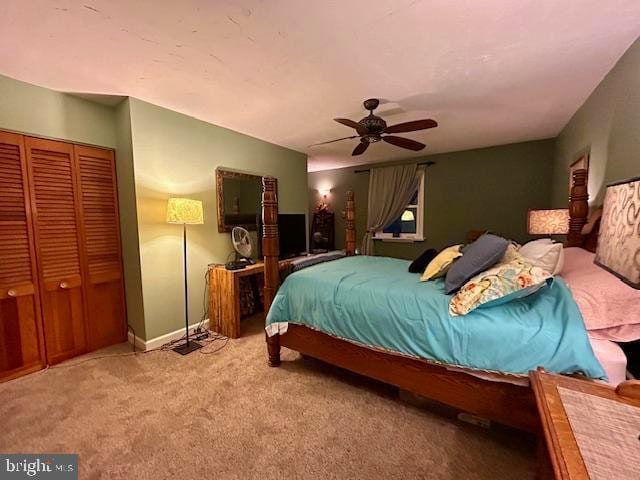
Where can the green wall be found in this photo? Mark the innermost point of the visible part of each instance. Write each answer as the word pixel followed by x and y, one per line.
pixel 488 188
pixel 607 127
pixel 26 108
pixel 129 219
pixel 39 111
pixel 176 155
pixel 159 153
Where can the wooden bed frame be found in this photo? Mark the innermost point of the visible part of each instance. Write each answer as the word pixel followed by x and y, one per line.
pixel 502 402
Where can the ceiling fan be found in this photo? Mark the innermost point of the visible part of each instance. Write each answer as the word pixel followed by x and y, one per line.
pixel 372 128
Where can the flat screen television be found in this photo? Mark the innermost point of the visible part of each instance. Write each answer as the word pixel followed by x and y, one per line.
pixel 292 229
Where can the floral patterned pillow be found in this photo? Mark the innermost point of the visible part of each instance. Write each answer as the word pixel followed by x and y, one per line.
pixel 514 277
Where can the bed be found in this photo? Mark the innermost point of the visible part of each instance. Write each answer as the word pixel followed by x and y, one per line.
pixel 376 303
pixel 610 309
pixel 466 380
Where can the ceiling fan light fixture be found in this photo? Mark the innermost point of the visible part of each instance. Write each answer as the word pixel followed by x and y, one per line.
pixel 373 124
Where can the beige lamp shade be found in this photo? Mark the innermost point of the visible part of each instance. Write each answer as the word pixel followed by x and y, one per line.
pixel 184 210
pixel 548 222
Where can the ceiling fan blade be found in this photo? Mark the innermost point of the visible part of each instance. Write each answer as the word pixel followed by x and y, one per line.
pixel 336 140
pixel 404 143
pixel 350 123
pixel 412 126
pixel 360 149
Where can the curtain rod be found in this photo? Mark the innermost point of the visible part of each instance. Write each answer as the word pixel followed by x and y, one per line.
pixel 427 164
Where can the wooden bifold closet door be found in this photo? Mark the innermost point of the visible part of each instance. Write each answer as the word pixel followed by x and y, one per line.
pixel 57 239
pixel 21 346
pixel 100 230
pixel 77 240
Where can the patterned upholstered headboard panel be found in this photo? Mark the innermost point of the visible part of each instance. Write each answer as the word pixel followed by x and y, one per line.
pixel 619 240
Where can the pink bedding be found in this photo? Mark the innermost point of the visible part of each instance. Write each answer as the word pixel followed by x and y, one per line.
pixel 609 307
pixel 612 359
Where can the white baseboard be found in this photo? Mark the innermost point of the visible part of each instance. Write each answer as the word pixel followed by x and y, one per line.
pixel 162 339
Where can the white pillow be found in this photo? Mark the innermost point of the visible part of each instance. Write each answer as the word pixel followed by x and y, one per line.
pixel 545 254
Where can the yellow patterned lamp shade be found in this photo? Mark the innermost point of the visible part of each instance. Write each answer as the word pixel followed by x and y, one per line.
pixel 548 222
pixel 184 210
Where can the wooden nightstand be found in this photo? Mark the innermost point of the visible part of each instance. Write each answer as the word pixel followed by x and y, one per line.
pixel 566 452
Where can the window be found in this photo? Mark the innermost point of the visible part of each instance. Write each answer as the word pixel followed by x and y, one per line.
pixel 408 226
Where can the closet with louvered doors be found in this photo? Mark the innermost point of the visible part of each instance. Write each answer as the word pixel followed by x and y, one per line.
pixel 21 338
pixel 61 282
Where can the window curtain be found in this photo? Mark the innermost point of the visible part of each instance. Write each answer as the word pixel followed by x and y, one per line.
pixel 390 189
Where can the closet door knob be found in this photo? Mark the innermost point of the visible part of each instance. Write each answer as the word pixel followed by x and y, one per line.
pixel 64 285
pixel 12 293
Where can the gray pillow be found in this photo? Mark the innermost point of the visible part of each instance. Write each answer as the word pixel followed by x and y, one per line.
pixel 485 252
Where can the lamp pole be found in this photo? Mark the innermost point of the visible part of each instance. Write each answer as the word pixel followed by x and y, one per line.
pixel 186 298
pixel 188 346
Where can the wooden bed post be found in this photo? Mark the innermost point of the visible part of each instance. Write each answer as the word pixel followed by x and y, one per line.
pixel 578 208
pixel 350 216
pixel 271 251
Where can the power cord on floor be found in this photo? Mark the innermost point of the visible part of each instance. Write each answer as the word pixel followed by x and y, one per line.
pixel 212 338
pixel 99 357
pixel 133 344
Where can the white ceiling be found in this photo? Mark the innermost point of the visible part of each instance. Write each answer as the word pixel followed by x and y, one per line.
pixel 489 71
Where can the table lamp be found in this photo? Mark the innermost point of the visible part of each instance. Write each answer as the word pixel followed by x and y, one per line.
pixel 548 222
pixel 186 212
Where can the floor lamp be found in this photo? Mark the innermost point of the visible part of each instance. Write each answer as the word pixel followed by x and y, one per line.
pixel 186 212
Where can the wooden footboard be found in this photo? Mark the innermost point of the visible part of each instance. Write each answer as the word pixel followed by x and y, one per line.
pixel 502 402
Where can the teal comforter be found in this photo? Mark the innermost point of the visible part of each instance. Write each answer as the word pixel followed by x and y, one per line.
pixel 374 301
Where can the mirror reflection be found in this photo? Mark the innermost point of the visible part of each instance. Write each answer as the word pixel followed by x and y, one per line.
pixel 239 199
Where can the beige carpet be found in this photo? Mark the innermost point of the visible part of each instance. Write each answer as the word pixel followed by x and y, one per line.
pixel 228 415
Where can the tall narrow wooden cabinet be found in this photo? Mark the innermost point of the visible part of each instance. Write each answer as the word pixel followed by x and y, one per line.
pixel 61 271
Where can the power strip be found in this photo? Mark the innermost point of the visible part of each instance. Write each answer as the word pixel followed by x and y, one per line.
pixel 199 336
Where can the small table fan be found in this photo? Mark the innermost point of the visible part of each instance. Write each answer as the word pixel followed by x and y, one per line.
pixel 242 244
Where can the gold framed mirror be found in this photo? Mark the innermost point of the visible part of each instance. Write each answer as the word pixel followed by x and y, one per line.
pixel 239 199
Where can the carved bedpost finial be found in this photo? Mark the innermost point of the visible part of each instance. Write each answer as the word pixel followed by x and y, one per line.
pixel 271 252
pixel 350 217
pixel 578 208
